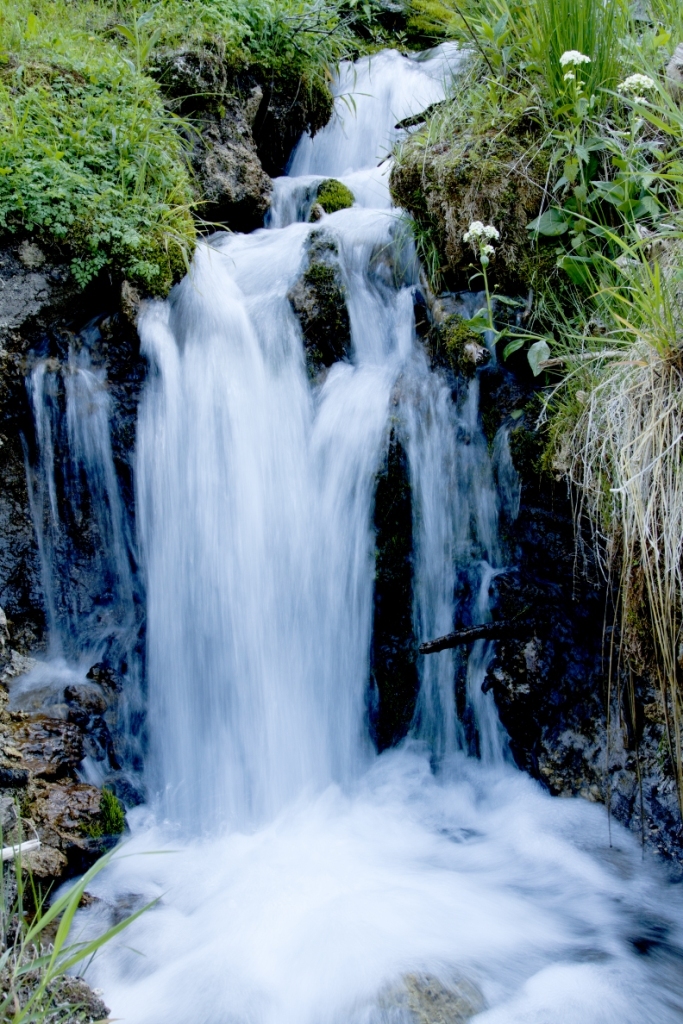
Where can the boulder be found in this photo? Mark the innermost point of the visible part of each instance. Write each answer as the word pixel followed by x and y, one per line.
pixel 319 301
pixel 235 188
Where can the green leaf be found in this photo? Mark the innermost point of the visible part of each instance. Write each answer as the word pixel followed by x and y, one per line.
pixel 513 346
pixel 507 301
pixel 537 354
pixel 550 223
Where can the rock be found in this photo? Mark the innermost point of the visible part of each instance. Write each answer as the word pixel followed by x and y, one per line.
pixel 63 807
pixel 674 73
pixel 13 778
pixel 333 196
pixel 76 992
pixel 425 999
pixel 394 676
pixel 66 816
pixel 318 299
pixel 18 665
pixel 236 190
pixel 130 302
pixel 45 864
pixel 28 284
pixel 48 748
pixel 495 177
pixel 433 1002
pixel 88 698
pixel 252 104
pixel 31 255
pixel 8 814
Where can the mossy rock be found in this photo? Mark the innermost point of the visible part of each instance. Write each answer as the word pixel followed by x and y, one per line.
pixel 319 301
pixel 460 347
pixel 488 176
pixel 333 196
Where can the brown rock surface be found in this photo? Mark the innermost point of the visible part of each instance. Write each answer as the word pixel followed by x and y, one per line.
pixel 49 748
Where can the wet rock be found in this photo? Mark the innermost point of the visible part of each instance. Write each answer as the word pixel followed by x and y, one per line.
pixel 66 816
pixel 45 864
pixel 48 748
pixel 8 814
pixel 318 299
pixel 86 699
pixel 13 778
pixel 433 1002
pixel 394 678
pixel 235 188
pixel 426 999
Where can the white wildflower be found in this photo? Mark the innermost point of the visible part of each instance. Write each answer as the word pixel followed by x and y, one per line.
pixel 637 83
pixel 574 57
pixel 570 77
pixel 487 250
pixel 480 233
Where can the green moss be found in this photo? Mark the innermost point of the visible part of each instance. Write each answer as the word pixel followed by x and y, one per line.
pixel 333 196
pixel 112 817
pixel 526 449
pixel 453 337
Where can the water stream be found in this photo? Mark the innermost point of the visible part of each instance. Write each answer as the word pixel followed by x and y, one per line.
pixel 301 878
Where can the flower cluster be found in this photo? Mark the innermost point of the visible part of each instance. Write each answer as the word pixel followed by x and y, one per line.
pixel 481 233
pixel 636 84
pixel 573 58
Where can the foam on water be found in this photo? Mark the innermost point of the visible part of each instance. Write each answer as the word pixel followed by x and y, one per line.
pixel 301 879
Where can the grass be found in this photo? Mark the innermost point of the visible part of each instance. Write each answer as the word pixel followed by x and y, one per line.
pixel 92 161
pixel 37 956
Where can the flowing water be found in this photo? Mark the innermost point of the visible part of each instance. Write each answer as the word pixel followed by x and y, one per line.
pixel 87 553
pixel 301 878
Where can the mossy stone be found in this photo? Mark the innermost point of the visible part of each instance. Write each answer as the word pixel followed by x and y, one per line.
pixel 460 345
pixel 333 196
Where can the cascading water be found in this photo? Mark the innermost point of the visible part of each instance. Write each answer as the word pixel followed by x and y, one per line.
pixel 84 541
pixel 307 880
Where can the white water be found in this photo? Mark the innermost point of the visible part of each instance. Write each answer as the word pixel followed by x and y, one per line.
pixel 303 877
pixel 86 551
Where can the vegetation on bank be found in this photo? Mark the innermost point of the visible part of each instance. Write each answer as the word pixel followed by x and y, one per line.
pixel 574 107
pixel 93 162
pixel 37 959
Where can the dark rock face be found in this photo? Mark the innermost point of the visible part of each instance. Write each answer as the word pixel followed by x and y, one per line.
pixel 236 189
pixel 394 677
pixel 577 720
pixel 318 299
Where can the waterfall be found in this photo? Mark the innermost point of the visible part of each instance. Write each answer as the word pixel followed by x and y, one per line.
pixel 86 550
pixel 306 880
pixel 255 498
